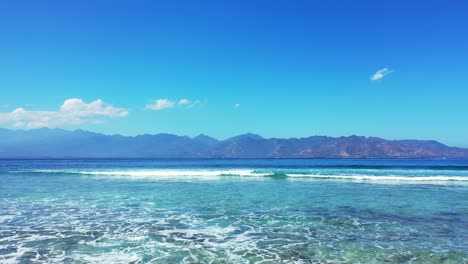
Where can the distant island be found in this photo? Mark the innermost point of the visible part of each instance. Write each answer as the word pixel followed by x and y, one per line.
pixel 59 143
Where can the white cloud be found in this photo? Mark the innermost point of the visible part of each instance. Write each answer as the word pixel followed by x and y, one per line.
pixel 166 103
pixel 161 104
pixel 184 102
pixel 194 103
pixel 72 112
pixel 380 74
pixel 237 105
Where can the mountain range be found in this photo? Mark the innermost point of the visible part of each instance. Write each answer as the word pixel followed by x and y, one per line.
pixel 59 143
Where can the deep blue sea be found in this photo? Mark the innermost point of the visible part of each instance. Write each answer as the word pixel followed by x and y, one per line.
pixel 234 211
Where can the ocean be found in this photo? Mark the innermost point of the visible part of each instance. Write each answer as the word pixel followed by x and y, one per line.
pixel 234 211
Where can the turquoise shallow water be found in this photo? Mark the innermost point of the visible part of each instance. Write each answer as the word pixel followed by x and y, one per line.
pixel 234 211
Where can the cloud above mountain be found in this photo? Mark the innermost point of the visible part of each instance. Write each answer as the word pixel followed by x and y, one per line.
pixel 161 104
pixel 73 111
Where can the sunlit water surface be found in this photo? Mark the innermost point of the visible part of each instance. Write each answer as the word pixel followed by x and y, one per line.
pixel 234 211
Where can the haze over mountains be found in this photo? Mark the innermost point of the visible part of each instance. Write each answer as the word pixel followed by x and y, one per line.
pixel 59 143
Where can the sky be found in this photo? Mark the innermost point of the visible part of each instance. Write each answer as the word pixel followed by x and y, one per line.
pixel 391 69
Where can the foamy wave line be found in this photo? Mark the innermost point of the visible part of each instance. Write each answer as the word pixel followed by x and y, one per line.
pixel 166 173
pixel 181 173
pixel 362 177
pixel 212 174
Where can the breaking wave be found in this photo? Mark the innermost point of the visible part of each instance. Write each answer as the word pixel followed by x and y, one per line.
pixel 389 176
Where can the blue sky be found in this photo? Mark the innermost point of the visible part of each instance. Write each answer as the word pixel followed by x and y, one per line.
pixel 276 68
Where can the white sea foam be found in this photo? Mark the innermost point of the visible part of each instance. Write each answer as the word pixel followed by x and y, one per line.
pixel 363 177
pixel 165 174
pixel 124 235
pixel 178 173
pixel 114 256
pixel 410 177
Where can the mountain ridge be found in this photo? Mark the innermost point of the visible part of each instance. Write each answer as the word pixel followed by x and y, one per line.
pixel 60 143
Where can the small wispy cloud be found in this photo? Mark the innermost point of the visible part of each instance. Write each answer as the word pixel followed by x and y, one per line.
pixel 237 105
pixel 380 74
pixel 184 102
pixel 194 103
pixel 73 111
pixel 161 104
